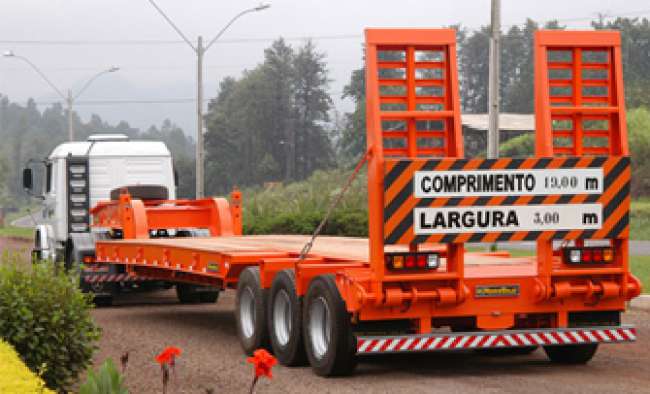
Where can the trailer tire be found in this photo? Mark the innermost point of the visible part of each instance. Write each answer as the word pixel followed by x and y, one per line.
pixel 209 297
pixel 250 311
pixel 285 320
pixel 327 330
pixel 508 351
pixel 571 354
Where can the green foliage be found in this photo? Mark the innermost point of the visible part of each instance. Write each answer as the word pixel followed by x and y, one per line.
pixel 27 133
pixel 523 145
pixel 352 141
pixel 47 320
pixel 635 46
pixel 17 232
pixel 107 381
pixel 640 220
pixel 298 208
pixel 268 126
pixel 638 124
pixel 640 267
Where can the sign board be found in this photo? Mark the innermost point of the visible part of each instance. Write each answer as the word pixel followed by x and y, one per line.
pixel 487 200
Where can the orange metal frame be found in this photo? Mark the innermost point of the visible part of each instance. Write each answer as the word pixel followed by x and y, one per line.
pixel 413 111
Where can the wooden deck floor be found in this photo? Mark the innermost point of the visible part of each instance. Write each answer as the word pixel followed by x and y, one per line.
pixel 337 247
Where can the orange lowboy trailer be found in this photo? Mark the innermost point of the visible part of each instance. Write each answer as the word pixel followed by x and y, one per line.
pixel 412 286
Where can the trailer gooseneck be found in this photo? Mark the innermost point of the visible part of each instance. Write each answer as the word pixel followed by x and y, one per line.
pixel 412 286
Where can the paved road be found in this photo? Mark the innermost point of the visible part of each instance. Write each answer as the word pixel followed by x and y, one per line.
pixel 28 220
pixel 213 359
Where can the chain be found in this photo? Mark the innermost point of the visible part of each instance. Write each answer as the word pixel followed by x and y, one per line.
pixel 305 249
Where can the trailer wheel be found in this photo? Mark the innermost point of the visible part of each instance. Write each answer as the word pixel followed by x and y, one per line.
pixel 285 320
pixel 571 354
pixel 329 342
pixel 250 311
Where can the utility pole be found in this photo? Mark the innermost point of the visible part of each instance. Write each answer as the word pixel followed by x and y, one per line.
pixel 200 180
pixel 493 87
pixel 200 50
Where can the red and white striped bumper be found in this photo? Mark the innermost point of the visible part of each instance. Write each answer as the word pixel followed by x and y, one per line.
pixel 494 339
pixel 101 278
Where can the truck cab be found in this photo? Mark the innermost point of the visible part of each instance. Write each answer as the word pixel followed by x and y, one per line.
pixel 79 174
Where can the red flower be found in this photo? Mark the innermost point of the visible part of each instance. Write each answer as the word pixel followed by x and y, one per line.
pixel 263 362
pixel 168 355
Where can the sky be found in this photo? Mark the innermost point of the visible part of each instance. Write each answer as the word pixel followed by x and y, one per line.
pixel 72 40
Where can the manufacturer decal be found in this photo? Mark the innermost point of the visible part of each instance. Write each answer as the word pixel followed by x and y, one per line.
pixel 497 291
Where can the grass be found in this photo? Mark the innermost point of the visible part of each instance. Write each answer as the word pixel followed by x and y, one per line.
pixel 17 232
pixel 640 266
pixel 640 219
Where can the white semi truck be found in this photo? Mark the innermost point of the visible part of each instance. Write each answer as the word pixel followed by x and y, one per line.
pixel 79 174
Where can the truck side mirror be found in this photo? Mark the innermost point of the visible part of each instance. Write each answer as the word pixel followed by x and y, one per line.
pixel 28 181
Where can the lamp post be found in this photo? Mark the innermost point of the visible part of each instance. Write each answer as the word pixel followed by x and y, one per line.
pixel 69 98
pixel 200 50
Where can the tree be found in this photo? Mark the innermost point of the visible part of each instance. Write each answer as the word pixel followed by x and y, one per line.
pixel 27 133
pixel 352 141
pixel 312 104
pixel 269 125
pixel 635 44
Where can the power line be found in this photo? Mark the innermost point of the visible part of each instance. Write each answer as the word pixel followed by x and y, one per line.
pixel 175 42
pixel 181 100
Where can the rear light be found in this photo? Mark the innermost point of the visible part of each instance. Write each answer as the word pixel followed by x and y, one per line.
pixel 608 255
pixel 590 255
pixel 398 262
pixel 412 261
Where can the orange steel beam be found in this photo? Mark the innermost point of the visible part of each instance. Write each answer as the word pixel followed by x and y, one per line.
pixel 423 92
pixel 135 218
pixel 569 67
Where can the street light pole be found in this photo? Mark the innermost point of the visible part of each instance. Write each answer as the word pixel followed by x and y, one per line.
pixel 200 50
pixel 68 98
pixel 200 179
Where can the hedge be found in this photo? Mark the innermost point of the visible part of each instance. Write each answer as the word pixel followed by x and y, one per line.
pixel 15 376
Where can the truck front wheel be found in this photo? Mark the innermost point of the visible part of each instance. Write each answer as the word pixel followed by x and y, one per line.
pixel 571 354
pixel 250 311
pixel 329 342
pixel 285 320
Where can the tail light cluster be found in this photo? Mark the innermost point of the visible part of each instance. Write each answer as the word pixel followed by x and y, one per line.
pixel 591 255
pixel 412 261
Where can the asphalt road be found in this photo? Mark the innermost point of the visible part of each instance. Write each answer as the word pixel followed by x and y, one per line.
pixel 144 324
